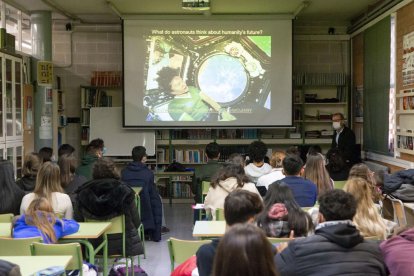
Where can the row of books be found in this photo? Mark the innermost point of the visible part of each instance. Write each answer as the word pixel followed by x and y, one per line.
pixel 208 134
pixel 189 156
pixel 85 117
pixel 405 142
pixel 85 134
pixel 179 190
pixel 93 97
pixel 408 103
pixel 106 78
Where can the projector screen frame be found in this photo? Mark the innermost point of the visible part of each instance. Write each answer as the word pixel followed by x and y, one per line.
pixel 176 124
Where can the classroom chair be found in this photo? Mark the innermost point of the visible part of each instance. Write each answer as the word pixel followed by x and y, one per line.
pixel 6 217
pixel 205 185
pixel 220 214
pixel 181 250
pixel 17 247
pixel 339 184
pixel 140 229
pixel 399 211
pixel 118 227
pixel 70 249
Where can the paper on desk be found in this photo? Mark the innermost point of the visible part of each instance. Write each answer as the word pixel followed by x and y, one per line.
pixel 198 206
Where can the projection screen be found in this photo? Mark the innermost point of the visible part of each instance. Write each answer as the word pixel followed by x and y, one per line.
pixel 207 73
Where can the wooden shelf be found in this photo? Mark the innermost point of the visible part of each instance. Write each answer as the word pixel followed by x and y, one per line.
pixel 404 133
pixel 400 95
pixel 318 141
pixel 401 112
pixel 408 151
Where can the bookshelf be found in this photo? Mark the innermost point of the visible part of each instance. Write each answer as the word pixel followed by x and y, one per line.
pixel 59 116
pixel 11 111
pixel 316 98
pixel 96 96
pixel 404 135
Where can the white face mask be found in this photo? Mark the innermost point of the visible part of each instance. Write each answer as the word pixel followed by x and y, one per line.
pixel 336 125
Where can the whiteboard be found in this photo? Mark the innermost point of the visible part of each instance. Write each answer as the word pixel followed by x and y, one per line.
pixel 106 123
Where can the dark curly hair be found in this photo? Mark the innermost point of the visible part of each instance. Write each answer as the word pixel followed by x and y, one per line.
pixel 165 76
pixel 337 205
pixel 105 168
pixel 257 151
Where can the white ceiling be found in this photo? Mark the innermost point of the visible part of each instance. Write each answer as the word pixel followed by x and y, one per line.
pixel 99 11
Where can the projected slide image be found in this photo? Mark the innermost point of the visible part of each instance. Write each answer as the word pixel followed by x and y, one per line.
pixel 206 78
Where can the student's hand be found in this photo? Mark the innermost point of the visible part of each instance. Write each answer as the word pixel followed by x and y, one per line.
pixel 281 247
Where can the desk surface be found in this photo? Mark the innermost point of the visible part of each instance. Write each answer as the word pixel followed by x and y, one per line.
pixel 209 228
pixel 31 264
pixel 89 230
pixel 5 229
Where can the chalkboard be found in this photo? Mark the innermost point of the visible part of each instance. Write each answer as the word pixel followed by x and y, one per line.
pixel 106 123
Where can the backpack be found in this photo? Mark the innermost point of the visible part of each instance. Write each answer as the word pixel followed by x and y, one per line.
pixel 120 270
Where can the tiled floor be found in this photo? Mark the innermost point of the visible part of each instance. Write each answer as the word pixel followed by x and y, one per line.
pixel 179 218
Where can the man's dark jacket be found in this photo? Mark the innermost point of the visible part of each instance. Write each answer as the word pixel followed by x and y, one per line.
pixel 136 174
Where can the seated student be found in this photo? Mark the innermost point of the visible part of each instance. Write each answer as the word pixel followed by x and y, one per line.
pixel 362 171
pixel 398 252
pixel 106 197
pixel 94 151
pixel 48 185
pixel 316 172
pixel 257 167
pixel 65 149
pixel 69 180
pixel 367 218
pixel 282 214
pixel 10 194
pixel 137 174
pixel 337 168
pixel 337 246
pixel 276 172
pixel 46 154
pixel 304 191
pixel 40 220
pixel 30 168
pixel 206 171
pixel 229 178
pixel 239 207
pixel 244 250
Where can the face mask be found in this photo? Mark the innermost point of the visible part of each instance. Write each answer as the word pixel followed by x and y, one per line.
pixel 336 125
pixel 104 150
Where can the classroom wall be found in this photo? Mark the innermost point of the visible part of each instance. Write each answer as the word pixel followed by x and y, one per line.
pixel 90 48
pixel 76 55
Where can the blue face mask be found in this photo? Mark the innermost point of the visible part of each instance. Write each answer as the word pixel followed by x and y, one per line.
pixel 104 150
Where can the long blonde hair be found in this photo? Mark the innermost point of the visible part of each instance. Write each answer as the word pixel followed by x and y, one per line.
pixel 316 172
pixel 361 170
pixel 48 181
pixel 40 214
pixel 367 218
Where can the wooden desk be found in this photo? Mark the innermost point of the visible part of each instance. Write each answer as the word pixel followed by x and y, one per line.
pixel 91 230
pixel 170 176
pixel 5 229
pixel 31 264
pixel 203 229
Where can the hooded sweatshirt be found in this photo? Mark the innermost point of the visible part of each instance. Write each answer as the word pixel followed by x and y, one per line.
pixel 27 183
pixel 398 253
pixel 215 196
pixel 255 172
pixel 62 228
pixel 337 248
pixel 85 169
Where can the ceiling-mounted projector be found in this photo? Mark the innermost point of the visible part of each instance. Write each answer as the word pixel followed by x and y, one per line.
pixel 196 5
